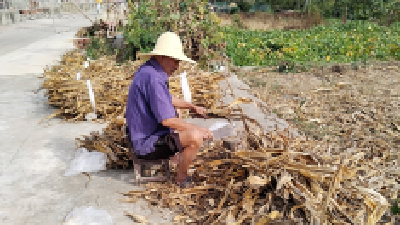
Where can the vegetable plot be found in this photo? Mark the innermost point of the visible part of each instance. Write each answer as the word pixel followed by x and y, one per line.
pixel 353 42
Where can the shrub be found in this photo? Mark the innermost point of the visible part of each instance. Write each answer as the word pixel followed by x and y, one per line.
pixel 244 6
pixel 197 27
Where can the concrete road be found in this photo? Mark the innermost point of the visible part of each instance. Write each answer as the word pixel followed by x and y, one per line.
pixel 34 156
pixel 27 46
pixel 33 159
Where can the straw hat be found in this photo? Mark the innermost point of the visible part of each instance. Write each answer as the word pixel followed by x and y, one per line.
pixel 168 44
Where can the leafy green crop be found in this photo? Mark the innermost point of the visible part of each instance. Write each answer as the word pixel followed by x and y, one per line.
pixel 355 41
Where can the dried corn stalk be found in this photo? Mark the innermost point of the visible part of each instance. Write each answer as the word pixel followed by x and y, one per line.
pixel 112 142
pixel 276 179
pixel 205 92
pixel 272 178
pixel 110 84
pixel 204 88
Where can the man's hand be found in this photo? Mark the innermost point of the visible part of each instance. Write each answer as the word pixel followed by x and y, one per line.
pixel 180 104
pixel 200 111
pixel 207 134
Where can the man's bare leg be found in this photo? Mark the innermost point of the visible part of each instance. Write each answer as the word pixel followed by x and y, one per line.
pixel 191 142
pixel 175 159
pixel 186 159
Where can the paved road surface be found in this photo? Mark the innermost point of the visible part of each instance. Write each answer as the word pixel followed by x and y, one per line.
pixel 34 156
pixel 29 45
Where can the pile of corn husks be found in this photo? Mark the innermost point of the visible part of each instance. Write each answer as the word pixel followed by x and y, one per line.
pixel 270 178
pixel 97 28
pixel 70 94
pixel 275 179
pixel 204 89
pixel 112 141
pixel 110 84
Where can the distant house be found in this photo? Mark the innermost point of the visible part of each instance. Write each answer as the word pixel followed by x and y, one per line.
pixel 4 4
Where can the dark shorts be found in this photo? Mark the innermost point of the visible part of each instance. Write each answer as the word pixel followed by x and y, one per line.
pixel 165 147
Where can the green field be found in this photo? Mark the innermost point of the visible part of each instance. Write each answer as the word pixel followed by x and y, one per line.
pixel 356 41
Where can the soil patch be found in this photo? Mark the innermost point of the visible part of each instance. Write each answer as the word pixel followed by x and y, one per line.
pixel 354 109
pixel 266 21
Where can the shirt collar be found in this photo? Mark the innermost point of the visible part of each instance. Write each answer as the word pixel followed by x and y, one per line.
pixel 158 68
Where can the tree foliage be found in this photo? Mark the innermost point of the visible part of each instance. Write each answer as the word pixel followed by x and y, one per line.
pixel 359 9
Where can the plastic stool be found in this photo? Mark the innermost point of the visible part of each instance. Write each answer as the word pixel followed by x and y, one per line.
pixel 138 164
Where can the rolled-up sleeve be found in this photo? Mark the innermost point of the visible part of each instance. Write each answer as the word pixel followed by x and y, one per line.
pixel 160 101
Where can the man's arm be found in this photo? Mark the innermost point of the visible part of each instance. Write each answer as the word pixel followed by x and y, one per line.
pixel 178 124
pixel 180 104
pixel 181 125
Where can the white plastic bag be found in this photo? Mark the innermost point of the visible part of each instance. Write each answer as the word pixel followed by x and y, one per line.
pixel 85 161
pixel 187 95
pixel 222 129
pixel 88 215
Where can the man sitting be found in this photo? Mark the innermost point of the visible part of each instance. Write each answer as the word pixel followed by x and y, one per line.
pixel 155 131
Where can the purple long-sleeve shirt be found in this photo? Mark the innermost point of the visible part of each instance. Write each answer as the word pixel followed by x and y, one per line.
pixel 149 103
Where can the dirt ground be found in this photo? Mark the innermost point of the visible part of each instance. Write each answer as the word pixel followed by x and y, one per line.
pixel 376 84
pixel 350 107
pixel 267 21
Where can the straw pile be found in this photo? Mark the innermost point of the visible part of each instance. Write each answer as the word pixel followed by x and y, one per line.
pixel 112 142
pixel 110 84
pixel 205 92
pixel 109 81
pixel 268 179
pixel 204 88
pixel 97 29
pixel 275 179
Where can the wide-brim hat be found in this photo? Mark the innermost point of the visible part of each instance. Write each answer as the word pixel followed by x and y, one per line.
pixel 168 44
